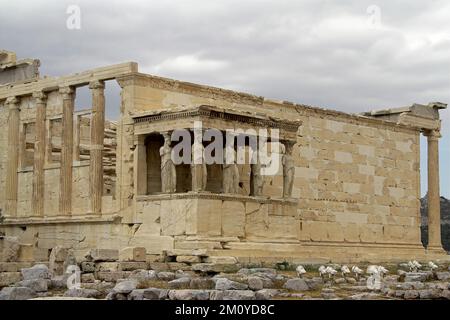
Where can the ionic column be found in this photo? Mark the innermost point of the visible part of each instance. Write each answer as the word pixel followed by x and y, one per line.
pixel 13 157
pixel 140 166
pixel 96 148
pixel 39 155
pixel 434 201
pixel 65 196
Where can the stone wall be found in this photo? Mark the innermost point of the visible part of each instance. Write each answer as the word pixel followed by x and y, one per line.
pixel 357 180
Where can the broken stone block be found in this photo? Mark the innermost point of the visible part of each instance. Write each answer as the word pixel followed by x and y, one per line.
pixel 266 294
pixel 112 276
pixel 39 271
pixel 17 293
pixel 188 294
pixel 296 284
pixel 9 278
pixel 87 278
pixel 143 275
pixel 133 254
pixel 82 293
pixel 186 252
pixel 87 266
pixel 107 267
pixel 155 294
pixel 132 265
pixel 188 259
pixel 125 287
pixel 166 276
pixel 59 282
pixel 181 283
pixel 226 284
pixel 159 266
pixel 255 283
pixel 202 283
pixel 215 268
pixel 37 285
pixel 221 260
pixel 232 295
pixel 104 255
pixel 175 266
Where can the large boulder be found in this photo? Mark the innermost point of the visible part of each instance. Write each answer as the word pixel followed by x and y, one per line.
pixel 155 294
pixel 296 284
pixel 37 285
pixel 82 293
pixel 148 294
pixel 125 287
pixel 255 283
pixel 225 284
pixel 188 294
pixel 181 283
pixel 202 283
pixel 38 271
pixel 17 293
pixel 266 294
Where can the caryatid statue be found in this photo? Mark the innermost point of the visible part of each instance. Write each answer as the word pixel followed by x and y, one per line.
pixel 288 169
pixel 230 171
pixel 168 171
pixel 257 179
pixel 198 166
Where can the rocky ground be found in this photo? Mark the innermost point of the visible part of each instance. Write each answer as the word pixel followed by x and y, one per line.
pixel 105 275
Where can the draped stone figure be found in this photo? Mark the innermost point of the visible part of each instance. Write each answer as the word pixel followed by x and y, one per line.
pixel 230 171
pixel 288 170
pixel 257 179
pixel 198 167
pixel 168 172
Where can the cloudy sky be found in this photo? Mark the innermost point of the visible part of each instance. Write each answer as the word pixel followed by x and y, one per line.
pixel 350 55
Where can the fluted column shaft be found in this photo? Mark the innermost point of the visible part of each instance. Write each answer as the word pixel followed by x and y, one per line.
pixel 65 197
pixel 13 157
pixel 39 155
pixel 96 148
pixel 434 201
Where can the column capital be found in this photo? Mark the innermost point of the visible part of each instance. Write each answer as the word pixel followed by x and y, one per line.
pixel 97 84
pixel 67 92
pixel 12 102
pixel 433 134
pixel 288 145
pixel 39 96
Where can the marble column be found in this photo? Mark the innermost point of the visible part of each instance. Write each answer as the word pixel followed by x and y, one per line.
pixel 96 147
pixel 39 155
pixel 434 201
pixel 288 169
pixel 140 166
pixel 65 196
pixel 13 157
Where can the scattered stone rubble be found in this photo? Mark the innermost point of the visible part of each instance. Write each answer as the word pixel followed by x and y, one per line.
pixel 131 274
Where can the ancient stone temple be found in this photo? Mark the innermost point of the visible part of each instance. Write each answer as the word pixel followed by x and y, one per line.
pixel 346 187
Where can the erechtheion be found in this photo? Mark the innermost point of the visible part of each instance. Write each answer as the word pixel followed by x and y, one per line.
pixel 347 186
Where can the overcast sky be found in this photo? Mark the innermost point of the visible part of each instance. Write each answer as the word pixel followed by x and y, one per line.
pixel 351 55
